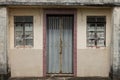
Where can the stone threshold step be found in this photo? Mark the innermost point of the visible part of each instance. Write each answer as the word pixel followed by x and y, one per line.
pixel 63 78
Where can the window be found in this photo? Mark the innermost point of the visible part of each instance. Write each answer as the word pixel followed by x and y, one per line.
pixel 23 26
pixel 96 28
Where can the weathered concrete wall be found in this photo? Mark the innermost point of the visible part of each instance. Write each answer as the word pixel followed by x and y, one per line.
pixel 92 61
pixel 78 2
pixel 116 41
pixel 60 2
pixel 3 48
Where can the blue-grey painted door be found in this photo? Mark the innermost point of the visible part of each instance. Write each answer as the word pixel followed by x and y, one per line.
pixel 60 44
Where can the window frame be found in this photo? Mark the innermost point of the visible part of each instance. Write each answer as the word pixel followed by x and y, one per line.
pixel 96 23
pixel 24 42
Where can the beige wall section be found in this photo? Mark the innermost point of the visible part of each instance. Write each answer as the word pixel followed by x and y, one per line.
pixel 92 61
pixel 27 62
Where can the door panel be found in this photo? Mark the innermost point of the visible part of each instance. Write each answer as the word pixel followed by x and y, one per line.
pixel 53 42
pixel 59 44
pixel 67 44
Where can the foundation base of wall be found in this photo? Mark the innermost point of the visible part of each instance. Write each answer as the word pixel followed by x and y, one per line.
pixel 116 77
pixel 63 78
pixel 4 76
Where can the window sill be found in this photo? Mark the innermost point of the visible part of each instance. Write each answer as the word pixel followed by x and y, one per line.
pixel 94 47
pixel 23 47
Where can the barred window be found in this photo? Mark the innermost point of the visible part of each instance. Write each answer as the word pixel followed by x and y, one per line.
pixel 96 31
pixel 23 26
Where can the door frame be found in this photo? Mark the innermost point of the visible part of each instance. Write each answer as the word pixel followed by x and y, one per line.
pixel 60 12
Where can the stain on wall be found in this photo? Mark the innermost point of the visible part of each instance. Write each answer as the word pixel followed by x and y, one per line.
pixel 3 47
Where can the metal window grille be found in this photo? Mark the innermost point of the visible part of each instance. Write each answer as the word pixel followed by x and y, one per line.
pixel 23 26
pixel 96 31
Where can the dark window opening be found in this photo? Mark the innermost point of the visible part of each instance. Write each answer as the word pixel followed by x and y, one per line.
pixel 23 26
pixel 96 31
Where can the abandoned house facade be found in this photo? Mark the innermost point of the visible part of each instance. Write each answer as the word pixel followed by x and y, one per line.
pixel 79 38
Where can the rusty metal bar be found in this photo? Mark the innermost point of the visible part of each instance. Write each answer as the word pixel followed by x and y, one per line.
pixel 61 44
